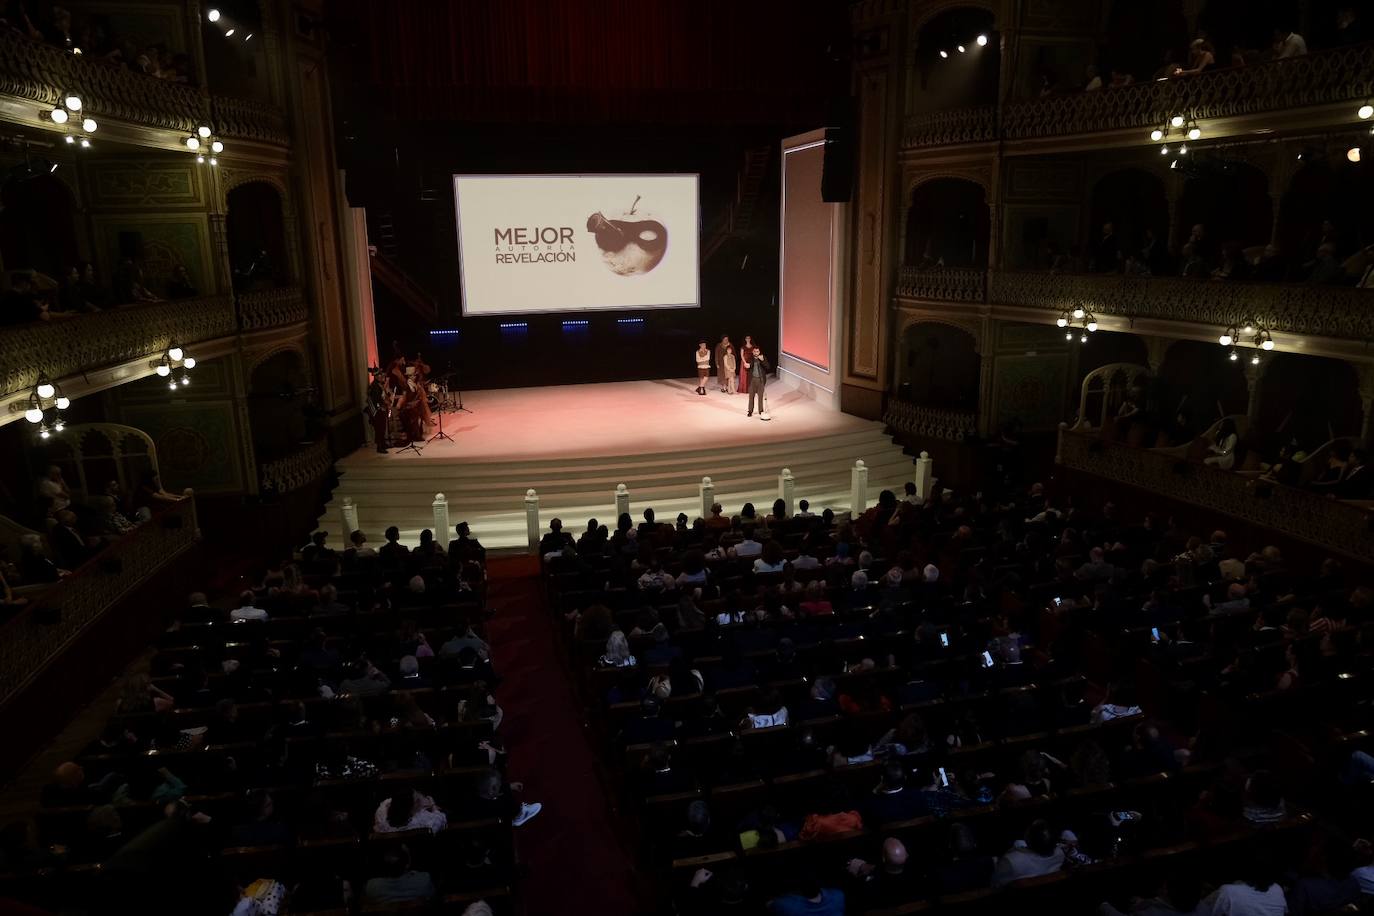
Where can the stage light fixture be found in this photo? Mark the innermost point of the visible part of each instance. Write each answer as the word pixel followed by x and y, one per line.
pixel 212 14
pixel 1366 111
pixel 229 34
pixel 961 49
pixel 944 55
pixel 1353 154
pixel 983 41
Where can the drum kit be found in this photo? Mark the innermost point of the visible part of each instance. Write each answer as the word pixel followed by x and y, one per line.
pixel 444 397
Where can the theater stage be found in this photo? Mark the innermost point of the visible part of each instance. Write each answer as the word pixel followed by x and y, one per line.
pixel 574 443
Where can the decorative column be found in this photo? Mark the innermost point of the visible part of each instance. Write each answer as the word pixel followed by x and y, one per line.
pixel 532 519
pixel 708 496
pixel 622 501
pixel 1156 348
pixel 1365 372
pixel 924 475
pixel 350 517
pixel 787 486
pixel 1254 374
pixel 440 517
pixel 858 489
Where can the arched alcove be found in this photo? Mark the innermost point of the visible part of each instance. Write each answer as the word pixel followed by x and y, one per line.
pixel 957 79
pixel 37 223
pixel 938 367
pixel 277 403
pixel 1106 347
pixel 947 224
pixel 1312 399
pixel 1330 200
pixel 1137 32
pixel 1133 203
pixel 256 228
pixel 1230 200
pixel 1198 383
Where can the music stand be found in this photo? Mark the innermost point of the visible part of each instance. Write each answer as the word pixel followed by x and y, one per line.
pixel 410 445
pixel 440 434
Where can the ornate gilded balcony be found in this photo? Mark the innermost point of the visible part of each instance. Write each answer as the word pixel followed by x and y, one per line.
pixel 1310 310
pixel 37 72
pixel 950 127
pixel 67 346
pixel 1336 526
pixel 271 308
pixel 932 422
pixel 1335 77
pixel 942 284
pixel 30 640
pixel 296 470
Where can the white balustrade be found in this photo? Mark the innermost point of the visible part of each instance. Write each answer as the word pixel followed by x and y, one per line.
pixel 924 472
pixel 532 519
pixel 708 496
pixel 441 529
pixel 787 488
pixel 622 501
pixel 858 488
pixel 350 517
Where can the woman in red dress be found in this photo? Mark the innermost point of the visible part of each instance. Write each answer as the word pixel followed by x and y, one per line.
pixel 746 356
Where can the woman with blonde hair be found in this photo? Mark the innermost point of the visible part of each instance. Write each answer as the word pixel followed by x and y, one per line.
pixel 618 652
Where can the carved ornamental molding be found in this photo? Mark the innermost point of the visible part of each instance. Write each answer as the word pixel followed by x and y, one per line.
pixel 271 308
pixel 249 119
pixel 64 347
pixel 950 127
pixel 1339 527
pixel 942 284
pixel 1316 311
pixel 932 422
pixel 298 470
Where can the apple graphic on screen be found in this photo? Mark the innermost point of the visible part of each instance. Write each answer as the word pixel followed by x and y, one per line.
pixel 631 243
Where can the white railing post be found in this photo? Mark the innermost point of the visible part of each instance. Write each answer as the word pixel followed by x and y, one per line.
pixel 350 517
pixel 441 531
pixel 787 486
pixel 622 501
pixel 708 496
pixel 858 489
pixel 924 470
pixel 532 519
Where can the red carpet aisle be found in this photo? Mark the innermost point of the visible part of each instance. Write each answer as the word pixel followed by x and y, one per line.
pixel 575 861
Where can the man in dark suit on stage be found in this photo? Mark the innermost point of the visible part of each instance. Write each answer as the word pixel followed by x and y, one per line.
pixel 758 379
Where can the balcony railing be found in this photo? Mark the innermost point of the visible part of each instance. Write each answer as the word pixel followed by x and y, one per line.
pixel 1318 311
pixel 62 347
pixel 947 128
pixel 296 470
pixel 943 284
pixel 935 422
pixel 33 638
pixel 1336 526
pixel 39 72
pixel 1341 75
pixel 271 308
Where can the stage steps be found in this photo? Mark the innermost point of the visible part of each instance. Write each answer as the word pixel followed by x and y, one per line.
pixel 489 495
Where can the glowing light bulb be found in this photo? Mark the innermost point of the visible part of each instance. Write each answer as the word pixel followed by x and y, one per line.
pixel 1092 325
pixel 1254 360
pixel 176 353
pixel 1164 150
pixel 88 125
pixel 1353 154
pixel 214 161
pixel 1183 149
pixel 193 143
pixel 46 390
pixel 1078 313
pixel 185 380
pixel 1083 338
pixel 961 49
pixel 85 144
pixel 944 55
pixel 33 415
pixel 202 131
pixel 1062 322
pixel 1194 133
pixel 1366 111
pixel 63 403
pixel 164 370
pixel 190 362
pixel 172 384
pixel 1176 121
pixel 1234 356
pixel 1068 335
pixel 1224 340
pixel 58 115
pixel 983 43
pixel 212 15
pixel 229 34
pixel 71 139
pixel 43 434
pixel 216 147
pixel 59 426
pixel 200 158
pixel 1247 330
pixel 1267 344
pixel 1156 135
pixel 72 101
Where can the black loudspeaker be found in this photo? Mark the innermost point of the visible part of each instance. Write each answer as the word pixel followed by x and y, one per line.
pixel 837 171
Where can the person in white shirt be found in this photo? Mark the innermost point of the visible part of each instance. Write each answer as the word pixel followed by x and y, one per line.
pixel 1288 43
pixel 1257 895
pixel 804 560
pixel 246 610
pixel 770 559
pixel 55 488
pixel 1038 854
pixel 747 548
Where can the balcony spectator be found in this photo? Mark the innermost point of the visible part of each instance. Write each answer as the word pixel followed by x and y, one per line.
pixel 20 304
pixel 1269 266
pixel 1233 265
pixel 1121 79
pixel 90 289
pixel 1288 43
pixel 71 546
pixel 1202 56
pixel 180 286
pixel 34 565
pixel 54 487
pixel 1324 269
pixel 1223 449
pixel 1350 28
pixel 151 496
pixel 69 294
pixel 1168 67
pixel 1107 252
pixel 128 284
pixel 1092 80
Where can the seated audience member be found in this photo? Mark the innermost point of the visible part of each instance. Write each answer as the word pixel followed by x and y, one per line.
pixel 555 540
pixel 364 679
pixel 394 554
pixel 888 883
pixel 465 547
pixel 399 882
pixel 893 799
pixel 247 609
pixel 1038 854
pixel 494 797
pixel 964 868
pixel 261 826
pixel 358 548
pixel 408 809
pixel 1255 894
pixel 71 546
pixel 810 900
pixel 618 651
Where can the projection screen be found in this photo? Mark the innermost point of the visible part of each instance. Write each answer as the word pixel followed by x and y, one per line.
pixel 576 243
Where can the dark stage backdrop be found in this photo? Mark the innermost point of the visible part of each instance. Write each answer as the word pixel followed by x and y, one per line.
pixel 407 186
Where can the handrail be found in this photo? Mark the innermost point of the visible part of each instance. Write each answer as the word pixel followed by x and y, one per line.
pixel 271 308
pixel 297 469
pixel 935 422
pixel 1337 526
pixel 31 639
pixel 942 284
pixel 108 337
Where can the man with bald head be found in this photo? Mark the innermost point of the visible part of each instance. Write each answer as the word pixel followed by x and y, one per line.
pixel 69 787
pixel 887 884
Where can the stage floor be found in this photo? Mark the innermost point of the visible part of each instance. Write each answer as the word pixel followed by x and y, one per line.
pixel 616 418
